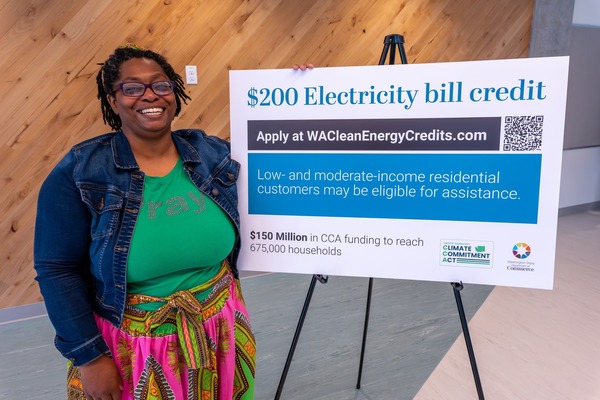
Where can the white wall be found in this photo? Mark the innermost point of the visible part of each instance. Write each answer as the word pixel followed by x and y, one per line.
pixel 587 13
pixel 580 178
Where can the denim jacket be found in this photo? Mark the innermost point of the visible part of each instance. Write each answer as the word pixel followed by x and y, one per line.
pixel 87 210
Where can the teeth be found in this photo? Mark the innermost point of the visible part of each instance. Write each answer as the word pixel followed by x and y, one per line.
pixel 153 111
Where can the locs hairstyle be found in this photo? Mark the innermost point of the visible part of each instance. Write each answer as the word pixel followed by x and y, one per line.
pixel 109 74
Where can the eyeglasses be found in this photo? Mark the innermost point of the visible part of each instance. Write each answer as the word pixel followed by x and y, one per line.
pixel 137 89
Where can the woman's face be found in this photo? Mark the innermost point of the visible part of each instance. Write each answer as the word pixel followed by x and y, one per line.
pixel 150 115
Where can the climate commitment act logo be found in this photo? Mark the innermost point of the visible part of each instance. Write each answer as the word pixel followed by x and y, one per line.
pixel 466 253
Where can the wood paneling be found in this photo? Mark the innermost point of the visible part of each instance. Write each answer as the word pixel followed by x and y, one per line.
pixel 50 50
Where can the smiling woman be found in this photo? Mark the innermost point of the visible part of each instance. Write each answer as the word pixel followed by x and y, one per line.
pixel 140 95
pixel 136 244
pixel 146 117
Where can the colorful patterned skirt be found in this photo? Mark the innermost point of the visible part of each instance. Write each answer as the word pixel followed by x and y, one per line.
pixel 185 350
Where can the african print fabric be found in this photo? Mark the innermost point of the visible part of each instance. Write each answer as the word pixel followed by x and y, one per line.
pixel 185 350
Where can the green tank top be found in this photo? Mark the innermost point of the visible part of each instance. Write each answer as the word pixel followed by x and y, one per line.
pixel 180 238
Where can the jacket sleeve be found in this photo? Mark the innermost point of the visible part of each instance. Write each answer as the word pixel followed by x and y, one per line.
pixel 61 260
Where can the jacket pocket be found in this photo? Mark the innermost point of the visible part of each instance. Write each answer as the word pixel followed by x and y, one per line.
pixel 105 206
pixel 228 174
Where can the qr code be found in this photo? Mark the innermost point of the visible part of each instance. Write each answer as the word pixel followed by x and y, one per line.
pixel 523 133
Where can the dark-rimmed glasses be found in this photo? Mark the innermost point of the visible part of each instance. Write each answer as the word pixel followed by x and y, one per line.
pixel 137 89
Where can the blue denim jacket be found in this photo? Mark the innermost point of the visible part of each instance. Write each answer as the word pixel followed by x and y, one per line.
pixel 87 209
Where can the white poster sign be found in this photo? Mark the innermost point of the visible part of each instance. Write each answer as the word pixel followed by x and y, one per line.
pixel 444 172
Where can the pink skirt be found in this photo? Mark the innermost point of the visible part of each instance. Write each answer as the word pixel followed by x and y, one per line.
pixel 185 350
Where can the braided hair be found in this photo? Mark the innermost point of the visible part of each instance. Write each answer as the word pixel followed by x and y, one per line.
pixel 109 74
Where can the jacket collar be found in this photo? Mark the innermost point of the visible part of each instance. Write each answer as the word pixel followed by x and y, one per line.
pixel 123 155
pixel 187 152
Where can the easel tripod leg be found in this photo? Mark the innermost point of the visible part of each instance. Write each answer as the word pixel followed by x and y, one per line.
pixel 463 321
pixel 364 339
pixel 288 361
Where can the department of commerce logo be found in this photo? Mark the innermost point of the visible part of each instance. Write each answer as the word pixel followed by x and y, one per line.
pixel 466 253
pixel 521 250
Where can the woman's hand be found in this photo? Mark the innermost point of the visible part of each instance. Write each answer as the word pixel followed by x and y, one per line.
pixel 303 67
pixel 101 380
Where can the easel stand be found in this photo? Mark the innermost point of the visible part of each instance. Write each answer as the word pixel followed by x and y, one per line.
pixel 288 361
pixel 392 43
pixel 457 287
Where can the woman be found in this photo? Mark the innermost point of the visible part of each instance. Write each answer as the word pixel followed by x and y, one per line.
pixel 136 242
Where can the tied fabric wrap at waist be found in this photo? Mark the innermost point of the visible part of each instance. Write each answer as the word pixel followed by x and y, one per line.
pixel 190 314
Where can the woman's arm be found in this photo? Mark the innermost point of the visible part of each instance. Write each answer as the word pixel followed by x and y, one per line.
pixel 61 259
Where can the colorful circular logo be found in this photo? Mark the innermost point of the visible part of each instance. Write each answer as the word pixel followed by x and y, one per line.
pixel 521 250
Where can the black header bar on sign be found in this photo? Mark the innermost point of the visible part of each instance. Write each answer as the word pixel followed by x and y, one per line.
pixel 443 134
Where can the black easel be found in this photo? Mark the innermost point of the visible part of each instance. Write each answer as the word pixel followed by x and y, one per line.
pixel 457 287
pixel 391 42
pixel 288 361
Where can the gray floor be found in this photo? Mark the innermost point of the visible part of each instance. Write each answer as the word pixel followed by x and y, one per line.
pixel 412 326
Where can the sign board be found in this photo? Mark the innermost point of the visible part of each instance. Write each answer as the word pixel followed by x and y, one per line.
pixel 444 172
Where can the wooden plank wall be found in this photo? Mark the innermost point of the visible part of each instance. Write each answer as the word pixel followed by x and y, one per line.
pixel 50 50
